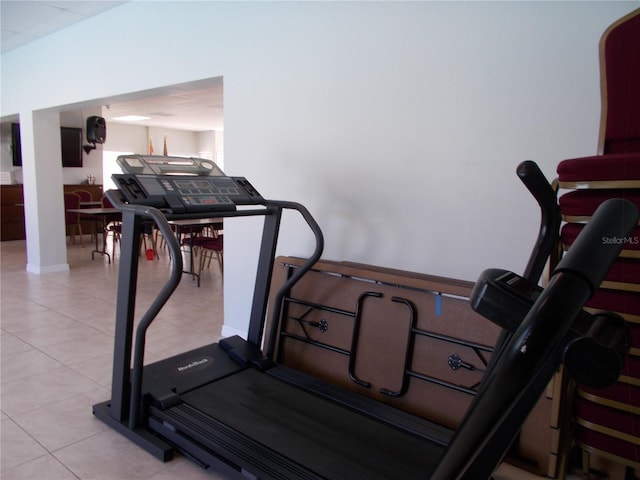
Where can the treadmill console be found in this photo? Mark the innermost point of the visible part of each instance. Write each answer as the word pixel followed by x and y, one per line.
pixel 182 185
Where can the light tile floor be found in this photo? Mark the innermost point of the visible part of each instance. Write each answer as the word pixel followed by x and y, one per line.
pixel 57 339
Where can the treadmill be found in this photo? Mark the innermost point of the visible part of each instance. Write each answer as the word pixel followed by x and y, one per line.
pixel 231 404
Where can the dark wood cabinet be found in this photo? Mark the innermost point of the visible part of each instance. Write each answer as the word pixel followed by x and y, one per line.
pixel 94 190
pixel 12 213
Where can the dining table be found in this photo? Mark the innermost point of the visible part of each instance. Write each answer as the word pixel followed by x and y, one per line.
pixel 91 204
pixel 99 216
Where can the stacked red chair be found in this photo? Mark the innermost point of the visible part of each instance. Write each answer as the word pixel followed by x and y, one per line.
pixel 608 420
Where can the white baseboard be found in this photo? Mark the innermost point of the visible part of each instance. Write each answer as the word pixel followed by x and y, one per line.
pixel 63 267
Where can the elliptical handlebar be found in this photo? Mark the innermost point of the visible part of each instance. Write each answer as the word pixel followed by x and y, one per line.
pixel 535 181
pixel 494 417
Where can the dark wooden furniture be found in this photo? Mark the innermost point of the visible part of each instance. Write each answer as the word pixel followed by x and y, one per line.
pixel 12 213
pixel 95 190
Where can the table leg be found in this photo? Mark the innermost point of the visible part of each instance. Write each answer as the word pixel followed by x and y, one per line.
pixel 191 271
pixel 104 239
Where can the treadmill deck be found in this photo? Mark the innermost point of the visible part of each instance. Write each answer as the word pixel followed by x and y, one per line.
pixel 291 433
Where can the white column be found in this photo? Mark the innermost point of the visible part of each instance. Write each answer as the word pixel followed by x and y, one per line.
pixel 43 192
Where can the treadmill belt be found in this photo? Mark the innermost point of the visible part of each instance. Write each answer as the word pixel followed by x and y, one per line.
pixel 328 439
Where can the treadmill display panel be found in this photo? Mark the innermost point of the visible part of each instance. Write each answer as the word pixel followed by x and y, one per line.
pixel 180 194
pixel 200 187
pixel 182 184
pixel 206 200
pixel 166 165
pixel 151 185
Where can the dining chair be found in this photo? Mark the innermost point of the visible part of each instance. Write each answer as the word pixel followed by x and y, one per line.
pixel 86 198
pixel 206 248
pixel 112 225
pixel 72 219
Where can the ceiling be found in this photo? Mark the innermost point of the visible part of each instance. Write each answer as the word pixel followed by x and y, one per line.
pixel 195 106
pixel 24 21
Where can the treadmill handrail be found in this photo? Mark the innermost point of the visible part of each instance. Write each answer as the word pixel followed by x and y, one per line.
pixel 160 300
pixel 304 268
pixel 542 334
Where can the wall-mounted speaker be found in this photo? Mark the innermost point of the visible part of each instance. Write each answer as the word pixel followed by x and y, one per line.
pixel 96 130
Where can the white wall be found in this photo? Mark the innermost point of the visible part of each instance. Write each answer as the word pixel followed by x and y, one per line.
pixel 399 124
pixel 127 138
pixel 135 138
pixel 91 162
pixel 132 138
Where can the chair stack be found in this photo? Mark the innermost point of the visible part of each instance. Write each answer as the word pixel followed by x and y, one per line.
pixel 608 420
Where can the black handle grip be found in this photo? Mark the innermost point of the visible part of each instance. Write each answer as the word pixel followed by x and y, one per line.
pixel 609 228
pixel 535 181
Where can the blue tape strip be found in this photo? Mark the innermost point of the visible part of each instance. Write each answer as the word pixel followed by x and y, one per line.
pixel 438 305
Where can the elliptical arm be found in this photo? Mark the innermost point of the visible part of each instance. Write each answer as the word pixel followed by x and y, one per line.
pixel 543 192
pixel 496 413
pixel 550 218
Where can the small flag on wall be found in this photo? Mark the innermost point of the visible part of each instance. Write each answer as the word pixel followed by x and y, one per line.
pixel 164 150
pixel 150 146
